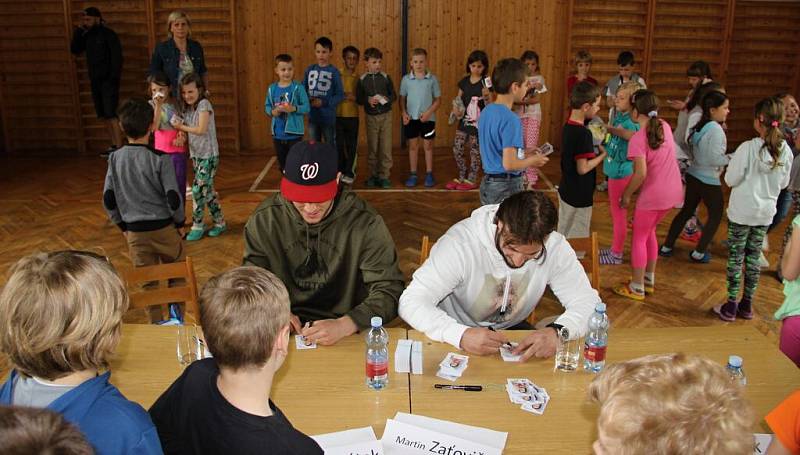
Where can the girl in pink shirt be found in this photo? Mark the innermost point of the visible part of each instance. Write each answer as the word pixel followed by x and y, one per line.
pixel 658 179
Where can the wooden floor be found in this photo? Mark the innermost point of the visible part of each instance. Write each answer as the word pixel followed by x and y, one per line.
pixel 52 204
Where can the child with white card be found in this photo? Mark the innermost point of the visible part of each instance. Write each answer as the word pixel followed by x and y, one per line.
pixel 221 404
pixel 671 403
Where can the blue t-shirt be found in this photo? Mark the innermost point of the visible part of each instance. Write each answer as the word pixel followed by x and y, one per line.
pixel 325 83
pixel 420 94
pixel 617 165
pixel 282 95
pixel 498 128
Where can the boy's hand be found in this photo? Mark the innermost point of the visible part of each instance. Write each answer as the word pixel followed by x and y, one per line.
pixel 424 117
pixel 624 200
pixel 406 118
pixel 677 105
pixel 276 111
pixel 373 100
pixel 539 160
pixel 316 102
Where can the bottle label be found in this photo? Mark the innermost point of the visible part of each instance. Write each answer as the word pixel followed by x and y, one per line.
pixel 594 353
pixel 377 370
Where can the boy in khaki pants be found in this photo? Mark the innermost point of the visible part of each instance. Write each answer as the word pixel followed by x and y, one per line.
pixel 375 92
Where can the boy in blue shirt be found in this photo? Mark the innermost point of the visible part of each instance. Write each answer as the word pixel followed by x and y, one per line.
pixel 323 82
pixel 500 135
pixel 420 95
pixel 72 303
pixel 286 103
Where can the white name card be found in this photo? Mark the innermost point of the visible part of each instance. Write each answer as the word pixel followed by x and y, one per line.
pixel 761 443
pixel 403 439
pixel 359 441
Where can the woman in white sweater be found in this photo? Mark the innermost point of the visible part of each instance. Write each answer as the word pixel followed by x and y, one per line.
pixel 758 170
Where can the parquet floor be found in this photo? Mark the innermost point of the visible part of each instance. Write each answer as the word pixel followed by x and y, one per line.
pixel 55 203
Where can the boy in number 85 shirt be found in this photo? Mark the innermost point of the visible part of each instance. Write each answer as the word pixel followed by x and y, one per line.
pixel 323 82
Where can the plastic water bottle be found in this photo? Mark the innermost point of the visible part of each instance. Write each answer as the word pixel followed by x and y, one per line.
pixel 735 370
pixel 377 355
pixel 596 342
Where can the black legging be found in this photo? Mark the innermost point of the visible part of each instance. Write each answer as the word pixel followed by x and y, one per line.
pixel 711 195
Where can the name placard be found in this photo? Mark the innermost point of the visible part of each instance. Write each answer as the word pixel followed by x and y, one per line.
pixel 401 438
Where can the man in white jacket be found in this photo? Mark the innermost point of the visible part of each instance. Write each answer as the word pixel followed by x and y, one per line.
pixel 489 271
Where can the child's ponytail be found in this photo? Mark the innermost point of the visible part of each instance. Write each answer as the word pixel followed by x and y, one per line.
pixel 646 103
pixel 769 112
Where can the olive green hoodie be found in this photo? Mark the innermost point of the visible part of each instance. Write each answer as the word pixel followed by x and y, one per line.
pixel 344 265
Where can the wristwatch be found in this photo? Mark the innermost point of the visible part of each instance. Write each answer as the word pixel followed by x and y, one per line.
pixel 557 328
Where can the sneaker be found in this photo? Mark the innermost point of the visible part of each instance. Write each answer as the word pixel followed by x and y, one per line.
pixel 624 289
pixel 467 186
pixel 692 237
pixel 607 257
pixel 347 179
pixel 602 186
pixel 453 184
pixel 372 182
pixel 429 180
pixel 726 311
pixel 412 180
pixel 745 310
pixel 216 231
pixel 704 260
pixel 665 252
pixel 762 261
pixel 384 183
pixel 194 234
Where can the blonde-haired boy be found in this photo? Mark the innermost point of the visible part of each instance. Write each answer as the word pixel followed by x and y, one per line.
pixel 60 319
pixel 222 404
pixel 671 404
pixel 583 63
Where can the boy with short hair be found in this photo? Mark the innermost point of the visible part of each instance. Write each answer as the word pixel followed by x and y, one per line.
pixel 222 404
pixel 671 403
pixel 376 93
pixel 39 431
pixel 583 63
pixel 323 82
pixel 500 135
pixel 347 117
pixel 286 103
pixel 578 163
pixel 626 63
pixel 72 304
pixel 420 95
pixel 141 194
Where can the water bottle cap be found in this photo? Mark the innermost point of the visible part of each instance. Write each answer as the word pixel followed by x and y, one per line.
pixel 376 321
pixel 600 307
pixel 735 361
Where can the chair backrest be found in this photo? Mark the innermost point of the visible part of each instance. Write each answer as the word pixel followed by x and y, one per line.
pixel 424 249
pixel 589 256
pixel 153 294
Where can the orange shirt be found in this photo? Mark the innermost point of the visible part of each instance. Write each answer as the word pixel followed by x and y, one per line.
pixel 784 421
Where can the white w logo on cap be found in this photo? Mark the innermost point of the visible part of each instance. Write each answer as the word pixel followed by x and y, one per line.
pixel 309 171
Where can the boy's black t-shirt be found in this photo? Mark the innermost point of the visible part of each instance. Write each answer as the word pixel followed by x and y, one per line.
pixel 576 143
pixel 192 417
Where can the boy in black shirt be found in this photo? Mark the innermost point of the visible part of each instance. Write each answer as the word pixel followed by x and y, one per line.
pixel 578 163
pixel 222 405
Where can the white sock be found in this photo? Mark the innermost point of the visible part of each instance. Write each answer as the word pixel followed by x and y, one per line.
pixel 637 287
pixel 697 255
pixel 765 245
pixel 650 278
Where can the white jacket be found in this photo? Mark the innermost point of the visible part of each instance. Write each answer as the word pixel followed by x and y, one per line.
pixel 461 284
pixel 755 183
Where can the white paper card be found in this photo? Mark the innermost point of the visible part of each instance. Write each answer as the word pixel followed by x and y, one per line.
pixel 359 441
pixel 402 356
pixel 403 439
pixel 761 443
pixel 485 436
pixel 301 343
pixel 416 357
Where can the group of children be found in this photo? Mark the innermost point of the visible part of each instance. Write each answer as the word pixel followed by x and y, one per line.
pixel 59 399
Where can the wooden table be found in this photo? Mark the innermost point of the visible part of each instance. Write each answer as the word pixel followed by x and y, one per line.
pixel 320 390
pixel 568 425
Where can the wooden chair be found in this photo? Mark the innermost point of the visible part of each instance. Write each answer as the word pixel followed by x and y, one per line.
pixel 424 249
pixel 150 296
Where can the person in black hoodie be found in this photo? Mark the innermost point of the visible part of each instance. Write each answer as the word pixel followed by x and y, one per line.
pixel 104 61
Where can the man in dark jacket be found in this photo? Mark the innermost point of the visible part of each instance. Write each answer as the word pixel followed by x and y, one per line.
pixel 330 248
pixel 104 61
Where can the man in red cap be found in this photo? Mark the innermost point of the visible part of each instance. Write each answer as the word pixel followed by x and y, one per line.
pixel 330 248
pixel 104 62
